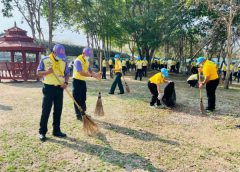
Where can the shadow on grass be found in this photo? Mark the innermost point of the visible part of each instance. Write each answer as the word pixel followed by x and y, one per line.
pixel 141 134
pixel 107 154
pixel 5 108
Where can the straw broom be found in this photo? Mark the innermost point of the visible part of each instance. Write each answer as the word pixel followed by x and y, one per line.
pixel 200 94
pixel 89 127
pixel 126 85
pixel 99 106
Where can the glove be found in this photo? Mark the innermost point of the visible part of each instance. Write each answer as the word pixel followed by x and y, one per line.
pixel 159 96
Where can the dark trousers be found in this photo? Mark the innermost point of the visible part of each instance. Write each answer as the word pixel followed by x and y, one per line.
pixel 79 94
pixel 124 68
pixel 117 81
pixel 52 95
pixel 138 74
pixel 104 70
pixel 211 87
pixel 238 76
pixel 193 83
pixel 145 71
pixel 154 92
pixel 111 67
pixel 224 75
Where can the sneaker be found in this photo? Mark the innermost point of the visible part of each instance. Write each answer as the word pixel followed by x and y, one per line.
pixel 121 93
pixel 110 93
pixel 59 134
pixel 152 106
pixel 209 111
pixel 160 106
pixel 42 137
pixel 79 117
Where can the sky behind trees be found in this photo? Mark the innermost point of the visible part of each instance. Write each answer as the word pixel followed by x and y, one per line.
pixel 62 35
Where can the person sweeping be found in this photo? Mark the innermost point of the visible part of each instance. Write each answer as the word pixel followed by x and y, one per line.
pixel 104 68
pixel 118 75
pixel 139 66
pixel 110 63
pixel 154 86
pixel 144 66
pixel 211 80
pixel 52 90
pixel 82 70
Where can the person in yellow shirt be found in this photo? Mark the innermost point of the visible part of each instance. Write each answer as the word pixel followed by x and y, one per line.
pixel 52 89
pixel 124 66
pixel 238 73
pixel 194 67
pixel 193 80
pixel 224 69
pixel 118 74
pixel 211 79
pixel 154 86
pixel 158 64
pixel 110 63
pixel 104 68
pixel 81 70
pixel 139 66
pixel 144 66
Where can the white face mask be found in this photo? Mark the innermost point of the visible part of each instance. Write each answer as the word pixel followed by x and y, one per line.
pixel 87 58
pixel 57 58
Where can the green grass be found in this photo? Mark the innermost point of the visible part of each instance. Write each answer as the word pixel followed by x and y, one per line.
pixel 133 136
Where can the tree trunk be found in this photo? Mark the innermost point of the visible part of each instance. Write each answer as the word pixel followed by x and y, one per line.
pixel 229 49
pixel 88 41
pixel 50 24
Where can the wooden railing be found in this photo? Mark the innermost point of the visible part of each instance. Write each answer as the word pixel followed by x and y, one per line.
pixel 16 71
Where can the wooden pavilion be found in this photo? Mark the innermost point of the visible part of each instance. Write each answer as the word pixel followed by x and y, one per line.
pixel 16 42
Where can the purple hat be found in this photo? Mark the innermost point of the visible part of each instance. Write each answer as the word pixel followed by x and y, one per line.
pixel 60 51
pixel 88 51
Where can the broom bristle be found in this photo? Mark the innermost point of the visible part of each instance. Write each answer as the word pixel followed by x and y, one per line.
pixel 89 127
pixel 127 88
pixel 99 108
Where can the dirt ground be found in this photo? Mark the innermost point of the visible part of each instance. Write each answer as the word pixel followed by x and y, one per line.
pixel 134 137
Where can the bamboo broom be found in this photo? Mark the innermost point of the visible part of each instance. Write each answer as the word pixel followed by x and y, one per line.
pixel 89 127
pixel 99 106
pixel 126 85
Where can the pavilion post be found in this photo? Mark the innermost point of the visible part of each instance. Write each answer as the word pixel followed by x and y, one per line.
pixel 24 65
pixel 12 63
pixel 12 56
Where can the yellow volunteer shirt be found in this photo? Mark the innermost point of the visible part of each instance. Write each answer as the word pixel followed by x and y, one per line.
pixel 224 68
pixel 110 62
pixel 58 68
pixel 104 64
pixel 145 62
pixel 139 64
pixel 157 79
pixel 209 69
pixel 118 66
pixel 194 64
pixel 85 67
pixel 124 63
pixel 193 77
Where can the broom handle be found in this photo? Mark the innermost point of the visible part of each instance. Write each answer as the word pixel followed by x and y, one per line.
pixel 199 78
pixel 70 95
pixel 123 77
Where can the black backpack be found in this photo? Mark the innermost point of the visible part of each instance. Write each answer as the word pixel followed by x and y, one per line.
pixel 169 97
